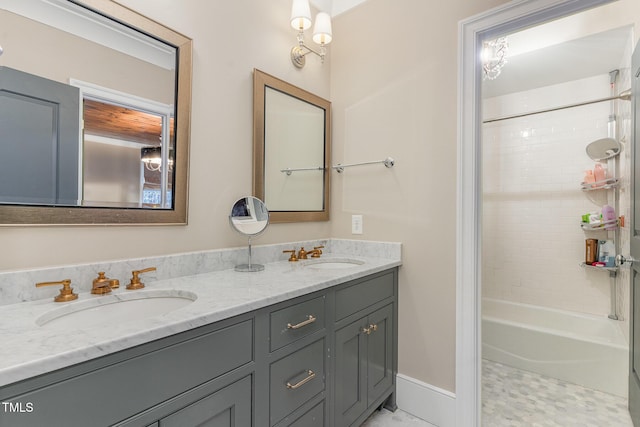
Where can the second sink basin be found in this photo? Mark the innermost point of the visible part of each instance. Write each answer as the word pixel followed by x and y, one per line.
pixel 333 263
pixel 115 309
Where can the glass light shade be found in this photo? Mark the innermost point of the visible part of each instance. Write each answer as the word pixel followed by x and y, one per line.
pixel 151 155
pixel 300 15
pixel 322 29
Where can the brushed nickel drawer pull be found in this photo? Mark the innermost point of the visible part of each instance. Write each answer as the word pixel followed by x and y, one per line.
pixel 311 375
pixel 310 319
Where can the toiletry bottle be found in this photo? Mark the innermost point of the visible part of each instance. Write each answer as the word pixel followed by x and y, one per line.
pixel 588 178
pixel 591 251
pixel 609 217
pixel 599 174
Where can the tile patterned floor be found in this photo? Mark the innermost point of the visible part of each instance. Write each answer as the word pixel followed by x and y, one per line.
pixel 515 398
pixel 385 418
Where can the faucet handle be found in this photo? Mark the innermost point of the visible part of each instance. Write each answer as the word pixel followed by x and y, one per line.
pixel 135 280
pixel 293 256
pixel 66 293
pixel 317 251
pixel 302 254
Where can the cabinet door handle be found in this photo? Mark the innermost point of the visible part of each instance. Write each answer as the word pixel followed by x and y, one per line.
pixel 369 329
pixel 310 375
pixel 310 319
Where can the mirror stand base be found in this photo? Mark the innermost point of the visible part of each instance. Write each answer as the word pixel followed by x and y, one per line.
pixel 248 268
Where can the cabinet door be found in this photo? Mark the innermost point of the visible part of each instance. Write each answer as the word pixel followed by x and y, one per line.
pixel 228 407
pixel 380 352
pixel 350 374
pixel 39 150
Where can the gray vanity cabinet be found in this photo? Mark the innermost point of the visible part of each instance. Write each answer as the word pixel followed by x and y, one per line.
pixel 324 359
pixel 365 349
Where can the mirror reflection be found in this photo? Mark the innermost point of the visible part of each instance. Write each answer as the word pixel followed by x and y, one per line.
pixel 249 217
pixel 119 82
pixel 292 145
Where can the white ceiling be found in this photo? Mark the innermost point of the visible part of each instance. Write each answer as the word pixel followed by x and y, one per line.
pixel 555 53
pixel 335 7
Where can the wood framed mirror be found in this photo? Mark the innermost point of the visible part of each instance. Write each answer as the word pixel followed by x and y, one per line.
pixel 131 80
pixel 291 150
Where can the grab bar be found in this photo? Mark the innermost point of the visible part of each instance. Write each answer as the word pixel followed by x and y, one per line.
pixel 289 170
pixel 388 162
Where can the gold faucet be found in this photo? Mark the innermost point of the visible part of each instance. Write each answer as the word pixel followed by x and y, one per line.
pixel 135 280
pixel 316 252
pixel 66 293
pixel 302 254
pixel 293 256
pixel 103 285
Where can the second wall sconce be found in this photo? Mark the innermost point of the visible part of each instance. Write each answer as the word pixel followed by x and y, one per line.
pixel 300 21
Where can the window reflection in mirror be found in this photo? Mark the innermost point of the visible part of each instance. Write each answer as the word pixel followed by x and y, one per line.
pixel 292 146
pixel 123 160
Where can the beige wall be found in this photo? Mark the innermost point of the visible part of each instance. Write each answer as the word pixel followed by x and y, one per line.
pixel 394 93
pixel 230 39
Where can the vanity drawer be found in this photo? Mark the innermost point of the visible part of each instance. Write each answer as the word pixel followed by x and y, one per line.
pixel 363 294
pixel 297 321
pixel 313 417
pixel 295 379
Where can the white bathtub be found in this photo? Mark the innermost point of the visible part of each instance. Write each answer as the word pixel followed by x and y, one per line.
pixel 581 349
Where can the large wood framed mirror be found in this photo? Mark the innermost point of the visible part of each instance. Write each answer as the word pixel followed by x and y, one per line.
pixel 292 150
pixel 95 104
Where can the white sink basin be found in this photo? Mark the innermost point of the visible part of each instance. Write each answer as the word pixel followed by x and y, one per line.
pixel 333 263
pixel 115 309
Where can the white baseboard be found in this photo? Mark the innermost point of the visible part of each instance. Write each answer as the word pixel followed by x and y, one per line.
pixel 432 404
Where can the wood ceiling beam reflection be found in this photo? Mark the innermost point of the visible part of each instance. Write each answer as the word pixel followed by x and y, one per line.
pixel 112 121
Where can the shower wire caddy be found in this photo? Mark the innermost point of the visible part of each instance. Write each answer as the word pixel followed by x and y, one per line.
pixel 609 185
pixel 605 184
pixel 613 270
pixel 608 225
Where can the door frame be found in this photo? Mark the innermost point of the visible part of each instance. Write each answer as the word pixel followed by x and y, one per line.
pixel 510 17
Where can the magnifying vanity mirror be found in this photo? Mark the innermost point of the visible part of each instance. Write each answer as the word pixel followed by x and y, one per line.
pixel 94 109
pixel 292 150
pixel 249 217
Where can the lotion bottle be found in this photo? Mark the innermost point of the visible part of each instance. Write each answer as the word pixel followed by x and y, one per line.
pixel 599 174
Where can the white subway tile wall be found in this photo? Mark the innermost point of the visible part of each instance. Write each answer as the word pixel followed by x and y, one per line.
pixel 532 202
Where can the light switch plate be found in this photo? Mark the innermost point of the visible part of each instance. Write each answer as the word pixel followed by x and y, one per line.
pixel 356 224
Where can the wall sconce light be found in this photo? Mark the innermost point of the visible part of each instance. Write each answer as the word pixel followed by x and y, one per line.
pixel 152 158
pixel 301 20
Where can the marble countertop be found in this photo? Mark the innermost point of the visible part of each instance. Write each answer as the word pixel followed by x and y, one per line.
pixel 28 349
